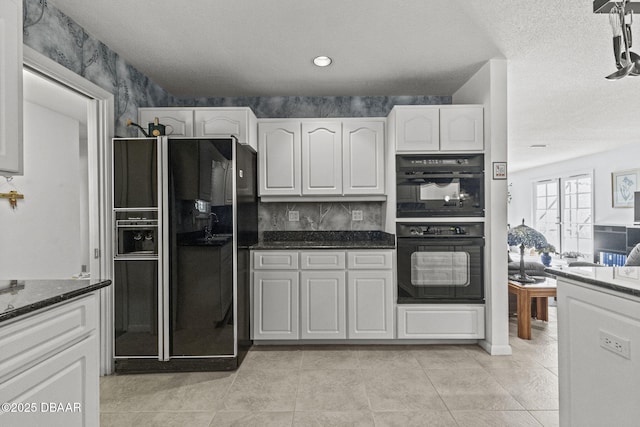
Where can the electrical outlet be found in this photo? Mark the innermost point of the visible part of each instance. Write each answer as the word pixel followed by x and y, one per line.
pixel 356 215
pixel 617 345
pixel 294 216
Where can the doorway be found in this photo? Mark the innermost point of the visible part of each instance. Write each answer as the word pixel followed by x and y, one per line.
pixel 93 159
pixel 55 213
pixel 563 212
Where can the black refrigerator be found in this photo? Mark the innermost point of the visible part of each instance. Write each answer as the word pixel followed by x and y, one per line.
pixel 185 216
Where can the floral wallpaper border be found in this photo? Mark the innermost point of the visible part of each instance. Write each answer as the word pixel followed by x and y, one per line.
pixel 58 37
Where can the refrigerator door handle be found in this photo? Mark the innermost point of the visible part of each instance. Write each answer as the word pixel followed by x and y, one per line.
pixel 163 254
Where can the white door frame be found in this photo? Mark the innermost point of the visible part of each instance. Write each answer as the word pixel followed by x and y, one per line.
pixel 100 130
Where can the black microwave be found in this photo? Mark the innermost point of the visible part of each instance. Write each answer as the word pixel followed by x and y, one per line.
pixel 440 185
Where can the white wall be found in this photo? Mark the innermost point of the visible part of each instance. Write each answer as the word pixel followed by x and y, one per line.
pixel 489 87
pixel 41 238
pixel 601 164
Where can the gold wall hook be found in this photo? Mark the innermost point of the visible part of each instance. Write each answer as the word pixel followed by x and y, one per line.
pixel 13 197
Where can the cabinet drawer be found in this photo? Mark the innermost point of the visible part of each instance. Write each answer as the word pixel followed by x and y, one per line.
pixel 370 260
pixel 31 338
pixel 441 321
pixel 275 260
pixel 322 260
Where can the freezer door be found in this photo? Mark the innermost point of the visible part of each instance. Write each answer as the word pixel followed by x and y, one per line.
pixel 136 308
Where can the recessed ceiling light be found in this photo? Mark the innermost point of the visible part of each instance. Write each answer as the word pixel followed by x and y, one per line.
pixel 322 61
pixel 538 146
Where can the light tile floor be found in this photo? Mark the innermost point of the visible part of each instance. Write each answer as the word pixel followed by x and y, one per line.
pixel 443 385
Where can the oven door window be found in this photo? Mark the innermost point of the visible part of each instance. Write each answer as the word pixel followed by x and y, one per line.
pixel 440 190
pixel 440 269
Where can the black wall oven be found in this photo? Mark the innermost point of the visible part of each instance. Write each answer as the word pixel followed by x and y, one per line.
pixel 440 185
pixel 440 263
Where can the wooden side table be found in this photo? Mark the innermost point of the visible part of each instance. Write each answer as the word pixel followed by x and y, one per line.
pixel 524 293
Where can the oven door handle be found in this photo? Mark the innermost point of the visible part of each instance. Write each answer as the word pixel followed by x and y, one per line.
pixel 438 175
pixel 454 241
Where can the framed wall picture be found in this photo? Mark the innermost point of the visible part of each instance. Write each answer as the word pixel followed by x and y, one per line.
pixel 499 170
pixel 623 185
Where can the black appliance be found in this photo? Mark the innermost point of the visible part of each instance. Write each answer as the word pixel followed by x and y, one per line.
pixel 440 263
pixel 440 185
pixel 185 215
pixel 136 234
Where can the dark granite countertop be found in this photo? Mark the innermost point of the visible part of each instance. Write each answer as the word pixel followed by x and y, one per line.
pixel 18 297
pixel 621 279
pixel 326 240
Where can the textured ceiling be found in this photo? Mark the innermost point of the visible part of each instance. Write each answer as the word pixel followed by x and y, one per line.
pixel 558 54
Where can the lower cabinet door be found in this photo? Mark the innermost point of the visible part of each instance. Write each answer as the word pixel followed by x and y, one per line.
pixel 275 305
pixel 370 296
pixel 62 390
pixel 323 311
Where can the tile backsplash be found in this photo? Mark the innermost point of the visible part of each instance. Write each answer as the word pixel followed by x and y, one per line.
pixel 320 216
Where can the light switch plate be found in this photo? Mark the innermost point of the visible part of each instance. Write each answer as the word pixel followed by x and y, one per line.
pixel 294 216
pixel 356 215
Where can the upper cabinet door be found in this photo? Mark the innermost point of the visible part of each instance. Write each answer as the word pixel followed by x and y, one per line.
pixel 178 122
pixel 461 128
pixel 417 129
pixel 11 145
pixel 363 157
pixel 223 122
pixel 321 158
pixel 279 158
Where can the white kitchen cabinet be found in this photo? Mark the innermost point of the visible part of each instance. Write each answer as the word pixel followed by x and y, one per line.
pixel 275 260
pixel 434 128
pixel 370 294
pixel 332 158
pixel 11 143
pixel 323 260
pixel 440 321
pixel 370 307
pixel 52 356
pixel 279 158
pixel 461 128
pixel 376 259
pixel 321 158
pixel 210 122
pixel 343 294
pixel 322 304
pixel 363 157
pixel 225 121
pixel 275 305
pixel 57 380
pixel 599 348
pixel 417 128
pixel 179 121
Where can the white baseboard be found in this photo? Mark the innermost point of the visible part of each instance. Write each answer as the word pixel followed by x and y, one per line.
pixel 495 350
